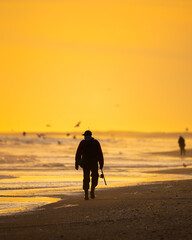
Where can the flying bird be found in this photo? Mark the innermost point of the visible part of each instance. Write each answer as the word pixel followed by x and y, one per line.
pixel 77 125
pixel 48 125
pixel 184 165
pixel 40 135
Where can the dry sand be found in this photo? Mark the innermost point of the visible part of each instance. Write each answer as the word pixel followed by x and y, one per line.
pixel 157 211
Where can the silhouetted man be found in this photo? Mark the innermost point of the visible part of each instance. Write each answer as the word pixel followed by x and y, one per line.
pixel 181 142
pixel 88 155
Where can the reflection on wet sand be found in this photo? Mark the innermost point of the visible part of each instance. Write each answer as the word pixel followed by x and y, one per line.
pixel 10 205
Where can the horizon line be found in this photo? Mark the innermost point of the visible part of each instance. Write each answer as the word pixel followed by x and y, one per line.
pixel 98 131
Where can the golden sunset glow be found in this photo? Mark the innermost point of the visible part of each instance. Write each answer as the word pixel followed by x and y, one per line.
pixel 113 65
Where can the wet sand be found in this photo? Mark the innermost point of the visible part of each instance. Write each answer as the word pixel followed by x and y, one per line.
pixel 157 211
pixel 176 153
pixel 184 170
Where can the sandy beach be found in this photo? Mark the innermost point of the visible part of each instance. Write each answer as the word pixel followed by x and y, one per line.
pixel 156 211
pixel 161 210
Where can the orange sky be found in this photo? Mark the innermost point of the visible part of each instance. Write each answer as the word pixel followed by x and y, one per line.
pixel 114 65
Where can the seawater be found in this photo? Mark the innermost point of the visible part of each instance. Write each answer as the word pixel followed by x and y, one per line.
pixel 38 170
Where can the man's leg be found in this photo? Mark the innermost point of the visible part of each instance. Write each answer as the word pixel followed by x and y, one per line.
pixel 184 150
pixel 181 150
pixel 86 180
pixel 95 177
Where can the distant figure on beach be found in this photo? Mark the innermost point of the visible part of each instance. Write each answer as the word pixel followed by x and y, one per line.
pixel 181 142
pixel 88 155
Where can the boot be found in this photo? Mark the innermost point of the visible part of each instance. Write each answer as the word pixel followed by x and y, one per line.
pixel 86 195
pixel 92 193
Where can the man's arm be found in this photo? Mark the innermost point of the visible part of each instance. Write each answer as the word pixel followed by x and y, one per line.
pixel 78 156
pixel 100 156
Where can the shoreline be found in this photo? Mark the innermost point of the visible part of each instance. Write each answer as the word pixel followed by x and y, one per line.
pixel 67 195
pixel 151 211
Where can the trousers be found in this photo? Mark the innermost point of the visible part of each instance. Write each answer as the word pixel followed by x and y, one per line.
pixel 93 172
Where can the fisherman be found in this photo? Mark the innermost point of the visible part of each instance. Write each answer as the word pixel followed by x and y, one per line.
pixel 181 143
pixel 88 155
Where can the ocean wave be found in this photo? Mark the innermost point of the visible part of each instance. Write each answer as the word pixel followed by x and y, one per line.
pixel 48 165
pixel 6 177
pixel 14 159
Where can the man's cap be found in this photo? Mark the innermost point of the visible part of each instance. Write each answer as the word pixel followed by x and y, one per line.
pixel 87 133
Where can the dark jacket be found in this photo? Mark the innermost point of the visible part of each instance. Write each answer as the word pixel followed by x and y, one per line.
pixel 181 142
pixel 90 150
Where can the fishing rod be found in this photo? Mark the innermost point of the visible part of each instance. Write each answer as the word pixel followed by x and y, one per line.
pixel 102 176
